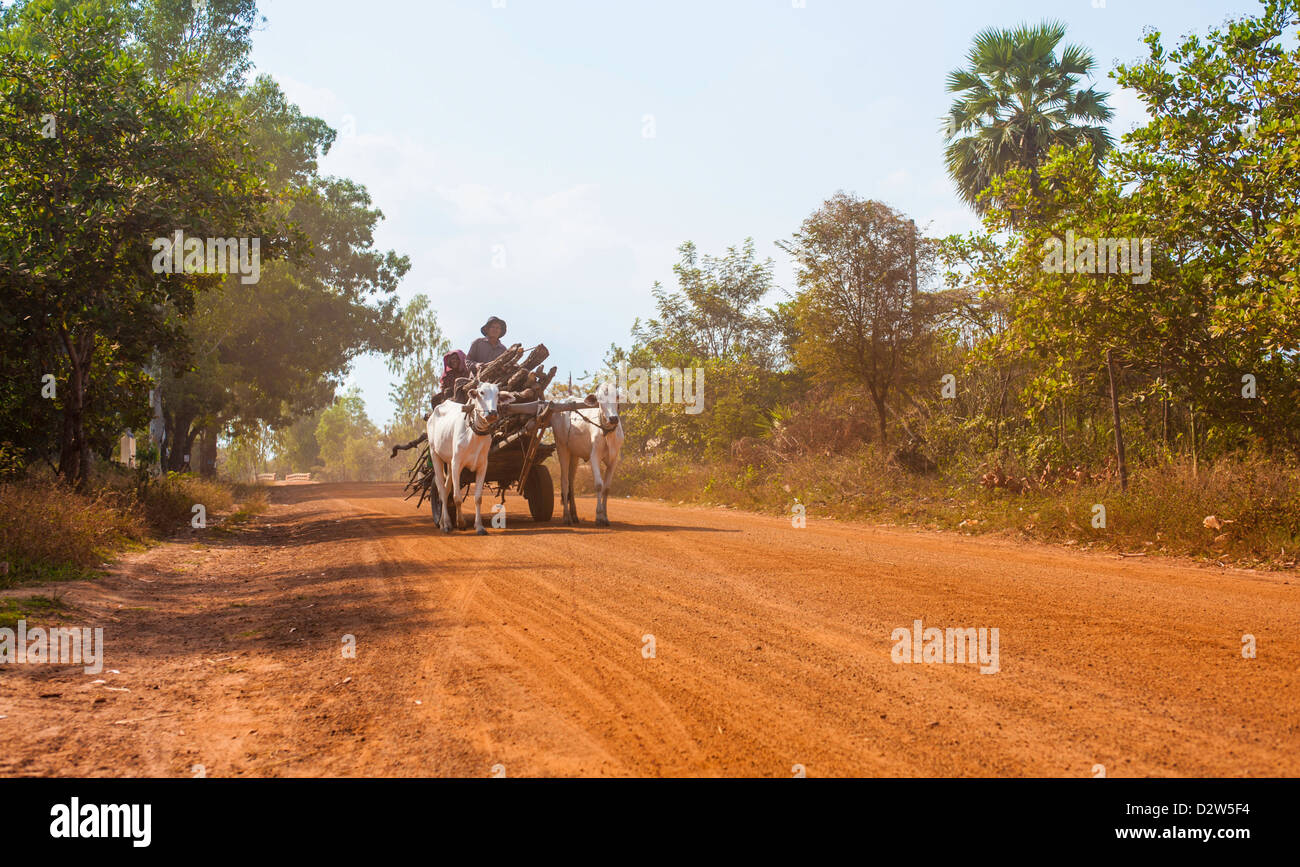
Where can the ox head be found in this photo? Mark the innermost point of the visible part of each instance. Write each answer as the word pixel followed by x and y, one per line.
pixel 609 397
pixel 487 397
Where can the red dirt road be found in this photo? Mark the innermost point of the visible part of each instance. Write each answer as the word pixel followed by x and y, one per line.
pixel 772 649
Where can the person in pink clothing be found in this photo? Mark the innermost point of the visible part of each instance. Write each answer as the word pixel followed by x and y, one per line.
pixel 454 367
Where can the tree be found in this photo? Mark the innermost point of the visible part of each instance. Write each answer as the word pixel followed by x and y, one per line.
pixel 715 321
pixel 417 363
pixel 717 311
pixel 264 353
pixel 858 317
pixel 1216 174
pixel 95 160
pixel 973 316
pixel 1207 337
pixel 197 47
pixel 349 441
pixel 1017 98
pixel 296 449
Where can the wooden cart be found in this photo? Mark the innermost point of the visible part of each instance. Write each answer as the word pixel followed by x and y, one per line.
pixel 516 461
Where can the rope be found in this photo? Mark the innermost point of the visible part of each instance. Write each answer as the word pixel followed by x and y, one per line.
pixel 609 429
pixel 473 425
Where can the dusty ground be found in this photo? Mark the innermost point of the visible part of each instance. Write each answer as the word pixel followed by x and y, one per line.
pixel 524 650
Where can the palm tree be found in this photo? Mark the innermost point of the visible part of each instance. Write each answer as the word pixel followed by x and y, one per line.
pixel 1017 99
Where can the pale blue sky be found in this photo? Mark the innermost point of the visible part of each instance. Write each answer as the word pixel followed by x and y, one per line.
pixel 518 133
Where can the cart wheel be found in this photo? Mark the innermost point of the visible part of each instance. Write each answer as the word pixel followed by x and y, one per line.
pixel 540 493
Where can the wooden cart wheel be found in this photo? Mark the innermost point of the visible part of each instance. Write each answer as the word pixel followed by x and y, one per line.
pixel 540 493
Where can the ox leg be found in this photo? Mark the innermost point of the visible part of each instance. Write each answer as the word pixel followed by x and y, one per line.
pixel 573 503
pixel 565 458
pixel 478 498
pixel 608 479
pixel 440 480
pixel 453 485
pixel 602 520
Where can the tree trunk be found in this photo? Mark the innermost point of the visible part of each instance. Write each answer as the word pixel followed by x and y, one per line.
pixel 74 451
pixel 168 439
pixel 1061 427
pixel 1191 420
pixel 208 452
pixel 1164 424
pixel 915 329
pixel 179 440
pixel 189 450
pixel 1003 384
pixel 1119 435
pixel 880 414
pixel 68 444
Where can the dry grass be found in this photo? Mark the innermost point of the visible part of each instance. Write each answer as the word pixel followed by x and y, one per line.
pixel 50 532
pixel 168 502
pixel 1255 502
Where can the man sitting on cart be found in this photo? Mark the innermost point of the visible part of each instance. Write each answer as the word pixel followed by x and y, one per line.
pixel 489 346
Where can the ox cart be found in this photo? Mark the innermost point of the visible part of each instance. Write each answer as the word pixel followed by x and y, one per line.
pixel 518 452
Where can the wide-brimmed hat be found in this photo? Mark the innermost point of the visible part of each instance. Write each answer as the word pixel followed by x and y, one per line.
pixel 491 320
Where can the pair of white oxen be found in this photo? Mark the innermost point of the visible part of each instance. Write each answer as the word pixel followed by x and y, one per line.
pixel 460 440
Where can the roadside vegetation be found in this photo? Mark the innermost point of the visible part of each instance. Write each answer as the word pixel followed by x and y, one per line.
pixel 51 531
pixel 1021 378
pixel 1254 504
pixel 130 121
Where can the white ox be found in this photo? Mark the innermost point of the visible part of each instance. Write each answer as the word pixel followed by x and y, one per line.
pixel 597 441
pixel 460 440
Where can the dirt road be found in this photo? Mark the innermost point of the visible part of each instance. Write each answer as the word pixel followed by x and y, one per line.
pixel 527 651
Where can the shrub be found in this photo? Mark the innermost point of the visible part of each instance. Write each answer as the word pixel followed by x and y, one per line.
pixel 167 502
pixel 47 530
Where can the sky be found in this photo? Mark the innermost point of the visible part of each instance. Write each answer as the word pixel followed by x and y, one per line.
pixel 542 160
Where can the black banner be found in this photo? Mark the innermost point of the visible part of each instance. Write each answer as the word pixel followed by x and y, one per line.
pixel 330 817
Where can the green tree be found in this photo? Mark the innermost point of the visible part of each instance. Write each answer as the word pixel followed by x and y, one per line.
pixel 716 311
pixel 270 351
pixel 349 442
pixel 1210 185
pixel 417 363
pixel 296 449
pixel 714 321
pixel 95 160
pixel 1216 176
pixel 1016 99
pixel 860 264
pixel 196 47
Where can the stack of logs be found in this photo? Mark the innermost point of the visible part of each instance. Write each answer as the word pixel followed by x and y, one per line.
pixel 524 380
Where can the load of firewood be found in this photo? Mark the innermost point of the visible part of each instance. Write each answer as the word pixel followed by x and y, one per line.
pixel 522 377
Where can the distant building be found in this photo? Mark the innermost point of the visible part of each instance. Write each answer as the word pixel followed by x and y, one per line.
pixel 126 449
